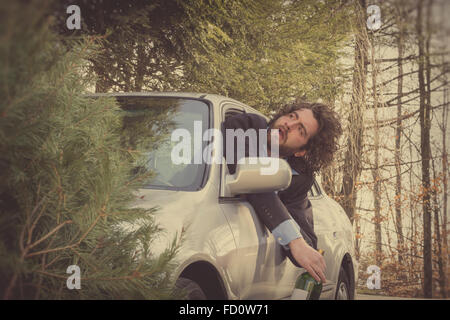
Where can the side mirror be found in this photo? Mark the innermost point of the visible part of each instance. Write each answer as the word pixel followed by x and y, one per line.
pixel 258 175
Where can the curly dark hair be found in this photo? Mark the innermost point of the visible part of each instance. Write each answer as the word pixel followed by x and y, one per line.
pixel 322 146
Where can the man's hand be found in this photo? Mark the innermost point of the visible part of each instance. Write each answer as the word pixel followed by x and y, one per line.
pixel 308 258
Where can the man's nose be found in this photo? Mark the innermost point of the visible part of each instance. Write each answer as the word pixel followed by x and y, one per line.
pixel 290 124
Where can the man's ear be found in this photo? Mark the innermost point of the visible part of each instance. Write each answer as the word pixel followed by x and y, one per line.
pixel 300 153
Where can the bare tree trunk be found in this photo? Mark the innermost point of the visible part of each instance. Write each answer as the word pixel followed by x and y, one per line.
pixel 425 155
pixel 413 227
pixel 98 66
pixel 328 181
pixel 352 161
pixel 140 67
pixel 358 239
pixel 443 275
pixel 376 170
pixel 100 85
pixel 437 232
pixel 398 133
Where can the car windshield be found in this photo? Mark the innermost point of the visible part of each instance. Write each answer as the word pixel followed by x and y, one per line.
pixel 150 124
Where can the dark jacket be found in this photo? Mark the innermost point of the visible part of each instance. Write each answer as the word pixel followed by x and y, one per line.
pixel 273 208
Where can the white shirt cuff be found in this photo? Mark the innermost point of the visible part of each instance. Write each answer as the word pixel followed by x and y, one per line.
pixel 286 231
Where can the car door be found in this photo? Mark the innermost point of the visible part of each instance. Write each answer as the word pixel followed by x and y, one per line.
pixel 255 244
pixel 326 229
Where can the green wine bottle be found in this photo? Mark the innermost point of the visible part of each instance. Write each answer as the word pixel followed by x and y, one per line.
pixel 306 287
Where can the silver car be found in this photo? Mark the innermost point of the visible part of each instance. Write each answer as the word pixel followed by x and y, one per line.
pixel 227 253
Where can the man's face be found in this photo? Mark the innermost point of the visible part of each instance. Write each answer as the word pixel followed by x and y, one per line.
pixel 295 130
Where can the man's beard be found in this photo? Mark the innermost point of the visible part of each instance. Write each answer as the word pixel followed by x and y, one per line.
pixel 287 151
pixel 283 151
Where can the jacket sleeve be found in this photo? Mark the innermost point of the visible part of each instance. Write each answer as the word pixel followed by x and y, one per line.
pixel 270 210
pixel 295 199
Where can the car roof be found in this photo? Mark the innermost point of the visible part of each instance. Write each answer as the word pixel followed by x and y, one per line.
pixel 191 95
pixel 149 94
pixel 196 95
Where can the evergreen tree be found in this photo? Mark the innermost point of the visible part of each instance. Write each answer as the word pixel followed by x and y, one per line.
pixel 264 53
pixel 275 51
pixel 65 182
